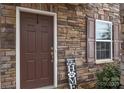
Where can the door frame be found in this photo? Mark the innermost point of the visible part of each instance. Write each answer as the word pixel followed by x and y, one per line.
pixel 28 10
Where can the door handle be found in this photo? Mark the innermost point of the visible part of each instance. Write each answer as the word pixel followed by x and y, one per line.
pixel 52 54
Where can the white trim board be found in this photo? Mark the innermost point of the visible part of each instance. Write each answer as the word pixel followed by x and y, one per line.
pixel 21 9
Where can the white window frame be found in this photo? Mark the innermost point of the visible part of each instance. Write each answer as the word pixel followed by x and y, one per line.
pixel 98 61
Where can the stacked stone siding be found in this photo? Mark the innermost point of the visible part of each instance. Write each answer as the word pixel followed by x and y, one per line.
pixel 122 43
pixel 71 38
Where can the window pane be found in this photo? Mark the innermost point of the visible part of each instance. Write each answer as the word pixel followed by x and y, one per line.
pixel 103 30
pixel 108 46
pixel 103 50
pixel 102 55
pixel 98 55
pixel 103 46
pixel 98 46
pixel 108 54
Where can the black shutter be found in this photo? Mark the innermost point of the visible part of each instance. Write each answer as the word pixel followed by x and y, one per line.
pixel 90 40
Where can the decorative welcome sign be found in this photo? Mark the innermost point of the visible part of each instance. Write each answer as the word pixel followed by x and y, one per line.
pixel 71 66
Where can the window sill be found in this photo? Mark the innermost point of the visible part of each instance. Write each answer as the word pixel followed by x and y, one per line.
pixel 104 61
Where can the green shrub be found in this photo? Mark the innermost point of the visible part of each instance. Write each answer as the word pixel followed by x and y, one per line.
pixel 109 77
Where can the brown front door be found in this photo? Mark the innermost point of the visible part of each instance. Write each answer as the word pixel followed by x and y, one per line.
pixel 36 42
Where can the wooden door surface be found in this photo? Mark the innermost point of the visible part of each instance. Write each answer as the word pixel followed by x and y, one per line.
pixel 36 40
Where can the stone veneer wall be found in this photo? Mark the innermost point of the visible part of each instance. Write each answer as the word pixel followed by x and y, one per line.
pixel 71 38
pixel 122 49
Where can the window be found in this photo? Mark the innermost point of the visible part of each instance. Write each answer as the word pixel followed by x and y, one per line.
pixel 103 40
pixel 103 43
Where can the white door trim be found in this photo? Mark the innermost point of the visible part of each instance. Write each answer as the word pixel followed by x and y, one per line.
pixel 18 10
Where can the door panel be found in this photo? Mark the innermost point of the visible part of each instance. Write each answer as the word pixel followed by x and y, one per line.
pixel 36 40
pixel 45 42
pixel 31 69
